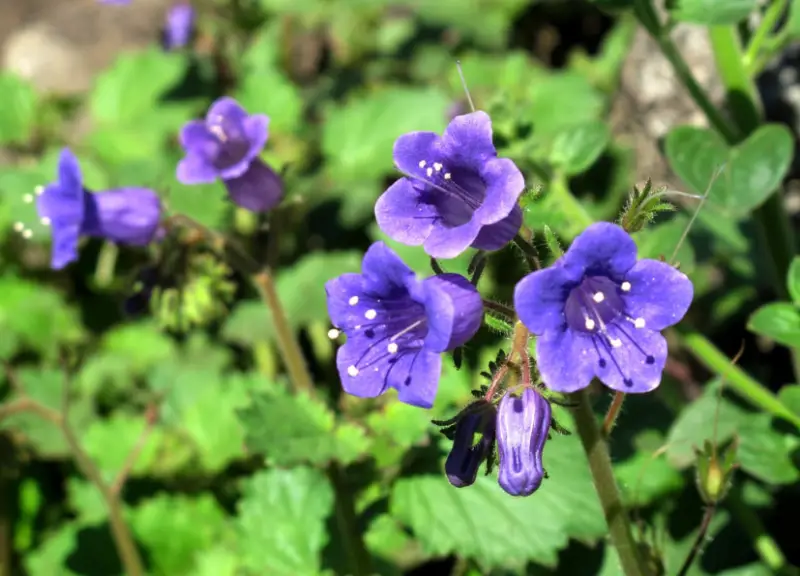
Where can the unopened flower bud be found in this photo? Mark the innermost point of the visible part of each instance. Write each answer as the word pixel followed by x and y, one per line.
pixel 466 457
pixel 523 423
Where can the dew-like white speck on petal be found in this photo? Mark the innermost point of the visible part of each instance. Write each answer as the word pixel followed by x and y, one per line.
pixel 370 314
pixel 626 286
pixel 598 297
pixel 352 371
pixel 353 300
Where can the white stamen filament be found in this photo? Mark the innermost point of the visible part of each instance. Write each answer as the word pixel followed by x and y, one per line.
pixel 598 297
pixel 422 163
pixel 639 322
pixel 447 176
pixel 353 300
pixel 625 286
pixel 590 324
pixel 27 233
pixel 405 330
pixel 352 371
pixel 19 226
pixel 615 342
pixel 333 333
pixel 28 198
pixel 39 190
pixel 437 166
pixel 392 348
pixel 429 172
pixel 45 221
pixel 370 314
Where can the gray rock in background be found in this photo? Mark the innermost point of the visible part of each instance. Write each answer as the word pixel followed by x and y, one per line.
pixel 60 45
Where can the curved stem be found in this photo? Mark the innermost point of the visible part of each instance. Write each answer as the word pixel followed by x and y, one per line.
pixel 502 309
pixel 606 485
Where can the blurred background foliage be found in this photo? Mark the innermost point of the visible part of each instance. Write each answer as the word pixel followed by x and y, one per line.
pixel 235 475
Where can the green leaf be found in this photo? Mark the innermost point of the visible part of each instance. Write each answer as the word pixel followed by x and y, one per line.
pixel 51 555
pixel 35 317
pixel 790 396
pixel 18 112
pixel 763 451
pixel 779 321
pixel 267 91
pixel 793 280
pixel 661 240
pixel 217 561
pixel 357 137
pixel 176 528
pixel 281 521
pixel 752 170
pixel 562 100
pixel 711 12
pixel 134 84
pixel 574 150
pixel 310 435
pixel 472 521
pixel 45 386
pixel 109 441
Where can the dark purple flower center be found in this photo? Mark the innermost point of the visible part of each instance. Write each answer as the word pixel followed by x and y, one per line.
pixel 594 304
pixel 233 144
pixel 455 190
pixel 391 327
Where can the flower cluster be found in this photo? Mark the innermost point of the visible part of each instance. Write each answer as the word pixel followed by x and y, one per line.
pixel 597 312
pixel 226 146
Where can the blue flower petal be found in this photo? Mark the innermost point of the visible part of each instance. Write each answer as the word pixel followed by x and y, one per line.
pixel 567 360
pixel 403 216
pixel 658 293
pixel 497 235
pixel 602 249
pixel 467 140
pixel 126 215
pixel 504 185
pixel 522 427
pixel 454 311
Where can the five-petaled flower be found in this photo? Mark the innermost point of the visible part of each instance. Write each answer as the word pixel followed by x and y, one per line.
pixel 398 325
pixel 599 312
pixel 523 423
pixel 125 215
pixel 226 145
pixel 466 456
pixel 456 192
pixel 179 26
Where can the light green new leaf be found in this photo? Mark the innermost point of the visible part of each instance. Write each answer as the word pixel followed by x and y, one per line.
pixel 133 85
pixel 281 521
pixel 712 12
pixel 18 112
pixel 310 435
pixel 779 321
pixel 752 170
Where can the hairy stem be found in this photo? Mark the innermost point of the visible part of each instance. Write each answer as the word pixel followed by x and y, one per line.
pixel 506 311
pixel 613 412
pixel 697 547
pixel 606 485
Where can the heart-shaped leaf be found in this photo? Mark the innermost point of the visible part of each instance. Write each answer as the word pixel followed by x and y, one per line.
pixel 779 321
pixel 750 171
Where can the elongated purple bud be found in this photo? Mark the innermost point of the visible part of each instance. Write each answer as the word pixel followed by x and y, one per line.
pixel 522 426
pixel 465 459
pixel 179 26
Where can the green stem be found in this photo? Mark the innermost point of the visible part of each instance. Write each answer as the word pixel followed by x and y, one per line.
pixel 736 378
pixel 764 545
pixel 290 349
pixel 649 19
pixel 699 540
pixel 360 561
pixel 613 412
pixel 765 29
pixel 606 485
